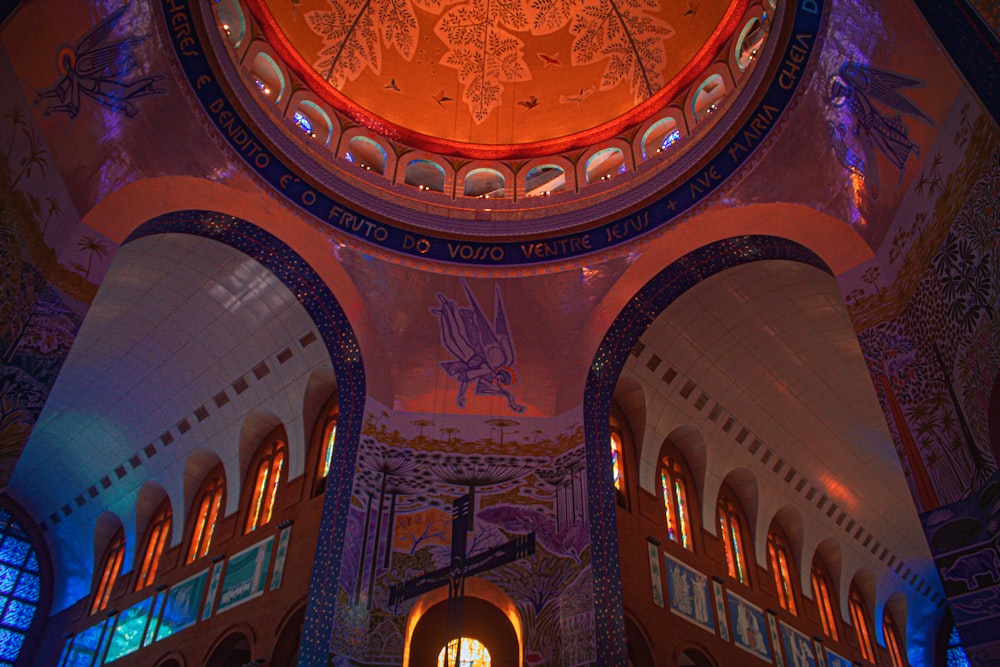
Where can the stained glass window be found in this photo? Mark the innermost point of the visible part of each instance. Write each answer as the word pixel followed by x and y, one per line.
pixel 208 504
pixel 892 640
pixel 19 588
pixel 731 532
pixel 111 566
pixel 473 654
pixel 780 556
pixel 859 618
pixel 670 139
pixel 824 599
pixel 675 502
pixel 265 486
pixel 616 461
pixel 303 122
pixel 329 434
pixel 156 540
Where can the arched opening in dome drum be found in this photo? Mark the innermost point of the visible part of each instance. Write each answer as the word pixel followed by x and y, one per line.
pixel 662 135
pixel 485 183
pixel 544 180
pixel 314 121
pixel 367 154
pixel 604 164
pixel 750 43
pixel 425 175
pixel 231 21
pixel 706 100
pixel 268 77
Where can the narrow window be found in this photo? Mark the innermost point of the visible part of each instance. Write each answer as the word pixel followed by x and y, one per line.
pixel 111 567
pixel 265 487
pixel 329 434
pixel 673 483
pixel 824 600
pixel 780 557
pixel 859 618
pixel 892 641
pixel 20 587
pixel 616 461
pixel 207 505
pixel 156 540
pixel 731 532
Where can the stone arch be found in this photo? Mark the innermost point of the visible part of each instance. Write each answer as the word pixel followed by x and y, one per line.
pixel 789 518
pixel 257 426
pixel 638 308
pixel 150 495
pixel 491 600
pixel 288 635
pixel 234 648
pixel 198 465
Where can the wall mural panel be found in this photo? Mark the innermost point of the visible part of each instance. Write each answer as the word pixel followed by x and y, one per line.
pixel 411 467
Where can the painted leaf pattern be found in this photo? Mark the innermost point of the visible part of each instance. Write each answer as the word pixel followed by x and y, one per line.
pixel 484 53
pixel 629 38
pixel 351 30
pixel 548 16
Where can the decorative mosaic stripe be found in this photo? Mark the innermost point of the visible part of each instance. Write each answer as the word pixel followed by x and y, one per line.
pixel 345 356
pixel 608 363
pixel 299 189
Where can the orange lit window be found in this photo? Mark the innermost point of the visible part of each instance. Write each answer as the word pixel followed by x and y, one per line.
pixel 207 506
pixel 673 484
pixel 111 567
pixel 731 532
pixel 156 540
pixel 859 618
pixel 616 461
pixel 824 600
pixel 265 485
pixel 780 557
pixel 892 641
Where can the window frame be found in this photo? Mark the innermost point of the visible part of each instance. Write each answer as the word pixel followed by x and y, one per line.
pixel 110 570
pixel 154 541
pixel 860 619
pixel 208 507
pixel 263 485
pixel 324 461
pixel 893 640
pixel 677 510
pixel 825 600
pixel 729 516
pixel 782 564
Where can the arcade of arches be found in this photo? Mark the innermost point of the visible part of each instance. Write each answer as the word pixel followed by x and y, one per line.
pixel 424 334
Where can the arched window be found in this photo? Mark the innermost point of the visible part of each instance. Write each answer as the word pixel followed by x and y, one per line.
pixel 822 593
pixel 780 557
pixel 20 587
pixel 425 175
pixel 676 508
pixel 367 154
pixel 326 451
pixel 544 180
pixel 207 506
pixel 706 100
pixel 731 532
pixel 604 164
pixel 485 183
pixel 956 651
pixel 859 618
pixel 111 567
pixel 266 475
pixel 155 540
pixel 473 654
pixel 616 461
pixel 893 640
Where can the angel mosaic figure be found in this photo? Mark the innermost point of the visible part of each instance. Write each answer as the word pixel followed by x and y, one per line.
pixel 483 354
pixel 857 87
pixel 97 68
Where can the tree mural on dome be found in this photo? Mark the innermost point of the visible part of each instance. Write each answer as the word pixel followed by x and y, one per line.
pixel 624 33
pixel 484 53
pixel 350 32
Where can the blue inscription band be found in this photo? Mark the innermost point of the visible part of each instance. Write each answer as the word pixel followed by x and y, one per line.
pixel 297 188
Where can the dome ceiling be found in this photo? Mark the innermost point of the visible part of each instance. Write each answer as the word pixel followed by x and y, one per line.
pixel 512 76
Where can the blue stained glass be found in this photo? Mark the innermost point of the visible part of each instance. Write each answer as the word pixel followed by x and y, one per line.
pixel 14 551
pixel 4 515
pixel 32 564
pixel 670 139
pixel 4 663
pixel 621 169
pixel 28 587
pixel 8 576
pixel 303 122
pixel 18 615
pixel 10 644
pixel 956 654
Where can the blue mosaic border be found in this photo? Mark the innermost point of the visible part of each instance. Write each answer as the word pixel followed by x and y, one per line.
pixel 345 356
pixel 299 189
pixel 622 335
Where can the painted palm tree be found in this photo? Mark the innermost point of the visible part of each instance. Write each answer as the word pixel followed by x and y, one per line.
pixel 53 210
pixel 35 157
pixel 16 116
pixel 93 246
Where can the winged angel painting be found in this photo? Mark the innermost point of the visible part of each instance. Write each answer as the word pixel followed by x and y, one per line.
pixel 483 354
pixel 483 45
